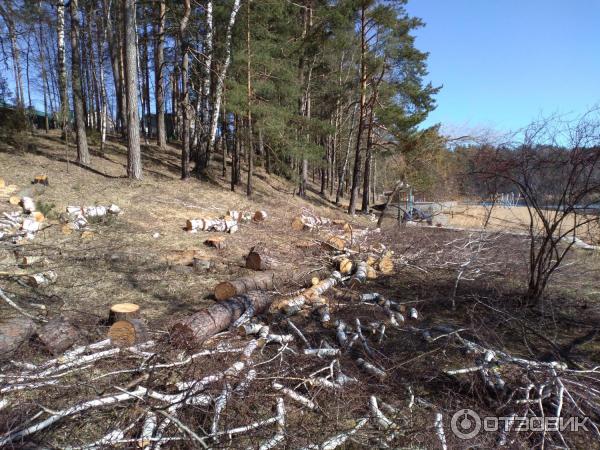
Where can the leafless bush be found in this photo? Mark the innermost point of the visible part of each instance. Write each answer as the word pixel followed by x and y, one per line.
pixel 556 169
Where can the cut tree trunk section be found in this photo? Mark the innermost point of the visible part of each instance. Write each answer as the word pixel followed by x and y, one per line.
pixel 197 328
pixel 123 311
pixel 260 258
pixel 14 332
pixel 259 282
pixel 58 335
pixel 126 333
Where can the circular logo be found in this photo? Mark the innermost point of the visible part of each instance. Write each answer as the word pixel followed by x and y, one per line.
pixel 466 424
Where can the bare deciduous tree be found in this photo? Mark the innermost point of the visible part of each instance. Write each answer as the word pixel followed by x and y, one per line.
pixel 556 170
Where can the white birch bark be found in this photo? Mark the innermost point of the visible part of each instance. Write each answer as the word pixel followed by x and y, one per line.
pixel 214 117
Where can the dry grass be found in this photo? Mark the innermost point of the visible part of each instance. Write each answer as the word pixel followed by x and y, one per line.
pixel 121 261
pixel 514 219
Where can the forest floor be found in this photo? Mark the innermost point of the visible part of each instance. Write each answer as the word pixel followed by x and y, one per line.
pixel 123 259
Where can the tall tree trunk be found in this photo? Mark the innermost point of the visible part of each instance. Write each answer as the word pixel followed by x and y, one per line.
pixel 305 98
pixel 159 81
pixel 114 47
pixel 235 155
pixel 101 38
pixel 185 96
pixel 249 102
pixel 146 69
pixel 134 162
pixel 214 116
pixel 224 138
pixel 9 18
pixel 344 169
pixel 203 155
pixel 363 91
pixel 83 155
pixel 45 90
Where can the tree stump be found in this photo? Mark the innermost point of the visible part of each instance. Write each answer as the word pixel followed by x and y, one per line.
pixel 260 258
pixel 14 332
pixel 260 216
pixel 58 335
pixel 260 282
pixel 125 333
pixel 41 179
pixel 123 311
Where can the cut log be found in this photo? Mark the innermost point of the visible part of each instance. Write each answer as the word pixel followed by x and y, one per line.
pixel 126 333
pixel 293 304
pixel 221 225
pixel 260 258
pixel 235 215
pixel 386 265
pixel 216 242
pixel 27 204
pixel 123 311
pixel 260 216
pixel 371 273
pixel 345 266
pixel 348 229
pixel 297 223
pixel 300 223
pixel 95 211
pixel 41 179
pixel 14 200
pixel 336 242
pixel 318 289
pixel 361 274
pixel 28 261
pixel 30 225
pixel 259 282
pixel 197 328
pixel 41 279
pixel 14 332
pixel 58 335
pixel 38 216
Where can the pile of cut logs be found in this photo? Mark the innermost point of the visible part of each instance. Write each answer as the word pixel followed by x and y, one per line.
pixel 227 223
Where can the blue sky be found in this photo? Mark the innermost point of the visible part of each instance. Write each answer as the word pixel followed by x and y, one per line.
pixel 504 62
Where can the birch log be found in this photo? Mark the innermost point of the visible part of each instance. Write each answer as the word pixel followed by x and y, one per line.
pixel 258 282
pixel 197 328
pixel 361 274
